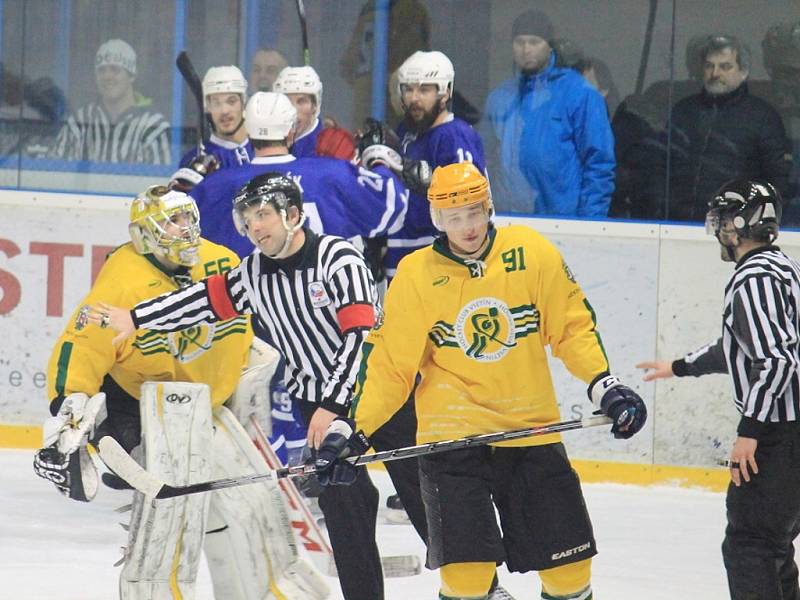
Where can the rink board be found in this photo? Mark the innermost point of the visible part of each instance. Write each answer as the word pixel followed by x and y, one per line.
pixel 656 290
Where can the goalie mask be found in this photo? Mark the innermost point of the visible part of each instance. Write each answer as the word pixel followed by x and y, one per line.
pixel 166 223
pixel 276 190
pixel 455 186
pixel 750 209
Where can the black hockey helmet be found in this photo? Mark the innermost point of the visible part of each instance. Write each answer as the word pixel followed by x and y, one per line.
pixel 753 207
pixel 268 188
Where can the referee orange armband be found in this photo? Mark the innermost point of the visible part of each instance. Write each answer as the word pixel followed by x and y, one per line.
pixel 355 316
pixel 219 299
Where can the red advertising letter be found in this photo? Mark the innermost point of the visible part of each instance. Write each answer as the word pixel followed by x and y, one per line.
pixel 8 283
pixel 55 253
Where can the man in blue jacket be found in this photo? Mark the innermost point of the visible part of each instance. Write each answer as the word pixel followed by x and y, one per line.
pixel 551 129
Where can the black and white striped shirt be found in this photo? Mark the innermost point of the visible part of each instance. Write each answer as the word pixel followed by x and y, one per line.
pixel 316 308
pixel 759 343
pixel 138 136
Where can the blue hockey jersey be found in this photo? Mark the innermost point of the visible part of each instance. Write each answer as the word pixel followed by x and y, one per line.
pixel 306 145
pixel 229 154
pixel 451 142
pixel 338 198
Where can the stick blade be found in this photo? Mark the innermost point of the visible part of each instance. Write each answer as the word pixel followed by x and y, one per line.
pixel 119 461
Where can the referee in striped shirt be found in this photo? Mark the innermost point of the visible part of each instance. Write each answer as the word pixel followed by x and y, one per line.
pixel 119 127
pixel 759 349
pixel 315 298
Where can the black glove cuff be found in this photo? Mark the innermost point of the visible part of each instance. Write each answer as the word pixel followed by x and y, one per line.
pixel 679 368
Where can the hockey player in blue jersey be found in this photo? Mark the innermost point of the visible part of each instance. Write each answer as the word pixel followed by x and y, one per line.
pixel 430 136
pixel 339 197
pixel 224 98
pixel 303 87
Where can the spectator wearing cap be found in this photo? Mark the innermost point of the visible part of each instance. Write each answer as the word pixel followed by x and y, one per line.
pixel 719 134
pixel 549 132
pixel 119 127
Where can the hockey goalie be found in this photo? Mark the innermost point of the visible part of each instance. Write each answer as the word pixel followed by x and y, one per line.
pixel 176 403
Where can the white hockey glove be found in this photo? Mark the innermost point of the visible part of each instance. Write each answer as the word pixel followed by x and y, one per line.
pixel 185 178
pixel 252 395
pixel 65 459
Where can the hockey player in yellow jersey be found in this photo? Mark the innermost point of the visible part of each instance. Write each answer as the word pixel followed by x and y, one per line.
pixel 472 315
pixel 96 389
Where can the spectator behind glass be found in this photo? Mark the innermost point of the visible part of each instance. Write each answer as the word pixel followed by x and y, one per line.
pixel 721 133
pixel 265 66
pixel 120 127
pixel 638 123
pixel 781 46
pixel 409 30
pixel 550 132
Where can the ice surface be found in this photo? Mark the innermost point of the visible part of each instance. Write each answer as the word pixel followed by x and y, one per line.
pixel 660 543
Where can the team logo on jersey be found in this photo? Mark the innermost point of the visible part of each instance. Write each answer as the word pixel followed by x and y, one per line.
pixel 484 329
pixel 319 297
pixel 188 344
pixel 441 280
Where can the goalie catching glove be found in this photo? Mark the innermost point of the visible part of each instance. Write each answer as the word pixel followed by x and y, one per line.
pixel 65 458
pixel 341 441
pixel 620 403
pixel 185 178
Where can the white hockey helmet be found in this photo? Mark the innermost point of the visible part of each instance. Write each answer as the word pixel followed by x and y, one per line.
pixel 300 80
pixel 269 116
pixel 427 67
pixel 224 80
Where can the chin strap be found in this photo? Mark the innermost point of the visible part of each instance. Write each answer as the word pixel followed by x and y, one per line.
pixel 290 231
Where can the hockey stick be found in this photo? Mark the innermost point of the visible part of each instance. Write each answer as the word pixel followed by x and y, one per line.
pixel 306 527
pixel 301 12
pixel 150 485
pixel 187 70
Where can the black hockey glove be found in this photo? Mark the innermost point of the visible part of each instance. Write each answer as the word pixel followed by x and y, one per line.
pixel 416 175
pixel 620 403
pixel 74 474
pixel 378 144
pixel 340 442
pixel 185 178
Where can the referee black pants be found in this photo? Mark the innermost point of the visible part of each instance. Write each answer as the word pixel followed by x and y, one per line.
pixel 764 520
pixel 351 511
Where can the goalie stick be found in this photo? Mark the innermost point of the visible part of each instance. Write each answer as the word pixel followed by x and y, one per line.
pixel 189 74
pixel 119 461
pixel 305 525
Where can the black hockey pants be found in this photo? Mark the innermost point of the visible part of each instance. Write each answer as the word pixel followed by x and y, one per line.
pixel 764 519
pixel 351 510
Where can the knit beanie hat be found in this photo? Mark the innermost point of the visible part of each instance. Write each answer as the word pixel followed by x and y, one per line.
pixel 533 22
pixel 116 52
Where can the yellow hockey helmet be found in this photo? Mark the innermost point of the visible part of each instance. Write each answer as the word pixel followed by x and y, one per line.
pixel 457 185
pixel 151 214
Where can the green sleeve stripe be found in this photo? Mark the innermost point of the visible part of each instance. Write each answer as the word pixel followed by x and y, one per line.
pixel 597 333
pixel 63 366
pixel 366 348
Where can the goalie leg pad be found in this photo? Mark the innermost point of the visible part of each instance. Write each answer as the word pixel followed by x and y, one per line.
pixel 250 547
pixel 166 537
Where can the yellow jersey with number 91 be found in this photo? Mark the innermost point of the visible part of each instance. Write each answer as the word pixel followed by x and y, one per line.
pixel 476 332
